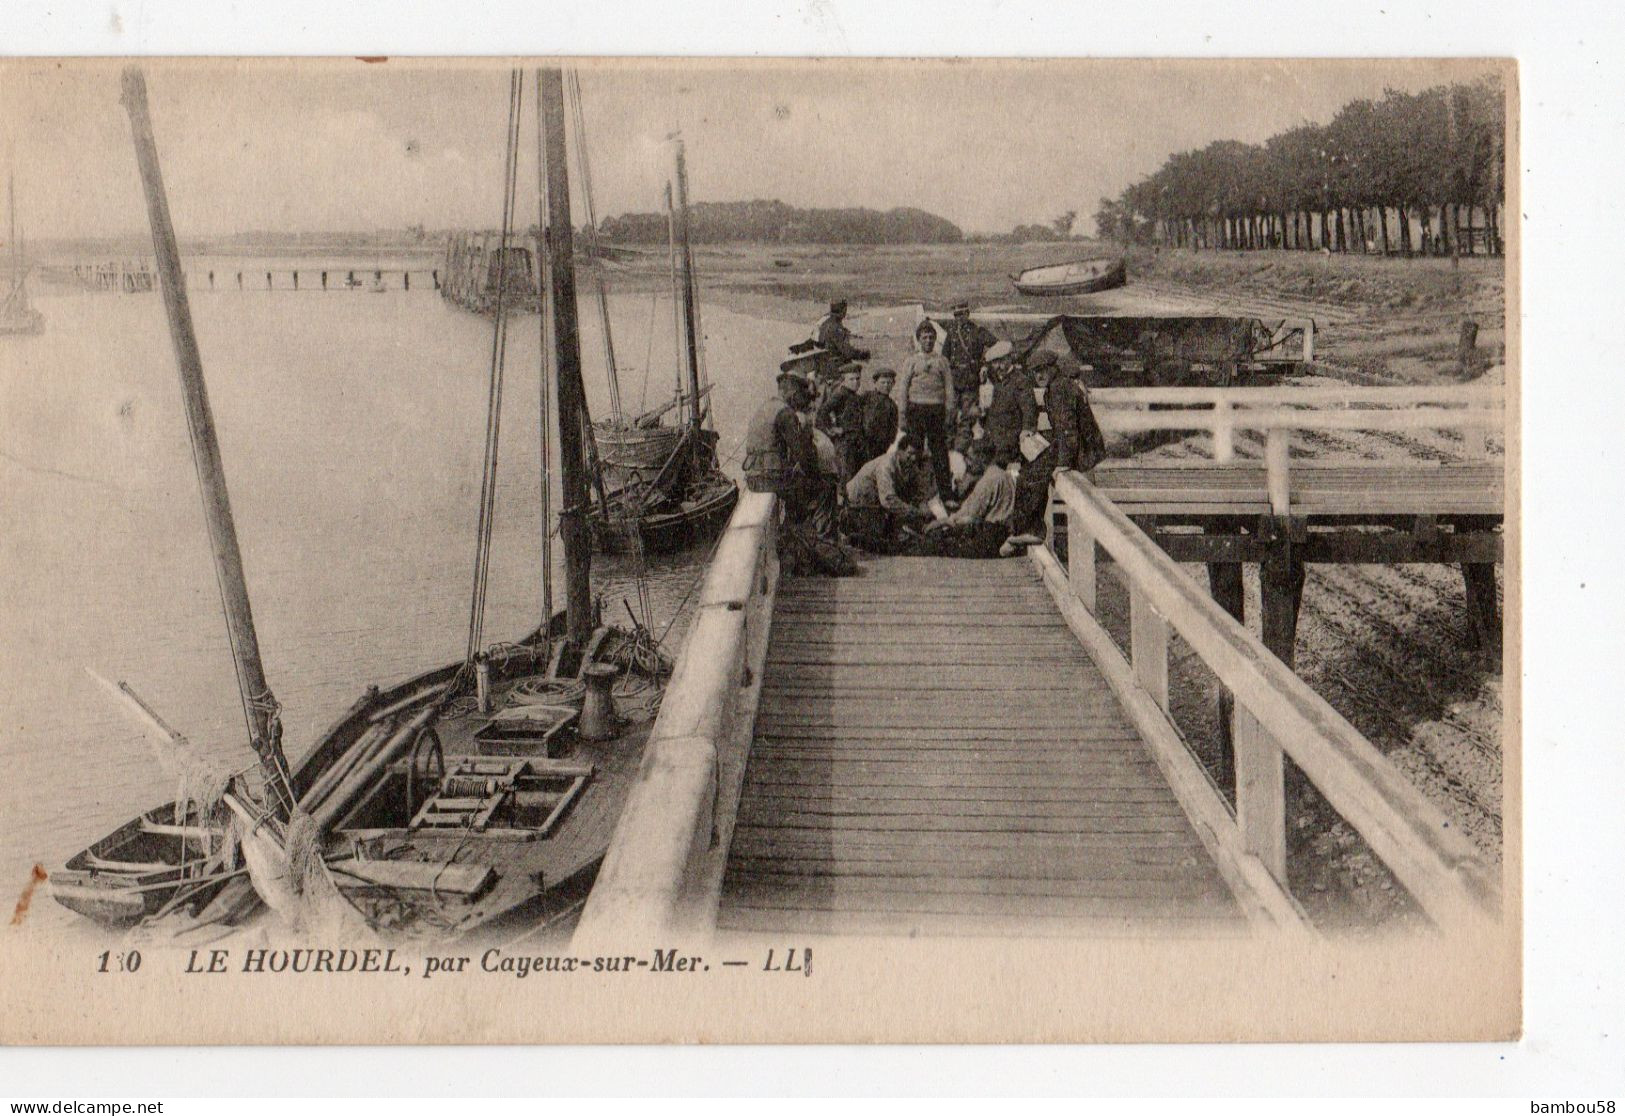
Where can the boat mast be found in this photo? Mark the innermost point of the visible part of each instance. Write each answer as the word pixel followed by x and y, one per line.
pixel 260 708
pixel 691 325
pixel 572 409
pixel 676 296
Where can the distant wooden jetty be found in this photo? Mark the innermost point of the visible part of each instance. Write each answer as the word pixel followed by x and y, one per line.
pixel 137 277
pixel 938 748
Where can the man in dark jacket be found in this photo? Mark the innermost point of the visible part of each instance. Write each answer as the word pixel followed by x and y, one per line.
pixel 965 347
pixel 779 453
pixel 1076 442
pixel 1013 410
pixel 841 417
pixel 878 415
pixel 831 335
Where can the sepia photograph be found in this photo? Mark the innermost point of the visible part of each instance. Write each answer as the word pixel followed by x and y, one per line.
pixel 760 550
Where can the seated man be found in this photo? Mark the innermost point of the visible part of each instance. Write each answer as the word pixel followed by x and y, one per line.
pixel 890 499
pixel 982 524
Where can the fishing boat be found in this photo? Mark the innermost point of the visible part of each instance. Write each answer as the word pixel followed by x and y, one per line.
pixel 660 486
pixel 17 317
pixel 1100 273
pixel 189 849
pixel 482 797
pixel 476 797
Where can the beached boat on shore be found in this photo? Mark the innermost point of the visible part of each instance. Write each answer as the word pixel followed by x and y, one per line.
pixel 1101 273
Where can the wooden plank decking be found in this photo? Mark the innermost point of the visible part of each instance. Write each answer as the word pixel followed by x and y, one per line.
pixel 1241 488
pixel 935 754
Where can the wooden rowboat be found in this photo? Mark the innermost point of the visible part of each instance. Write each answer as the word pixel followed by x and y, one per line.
pixel 1101 273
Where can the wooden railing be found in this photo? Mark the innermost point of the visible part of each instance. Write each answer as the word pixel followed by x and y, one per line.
pixel 1276 715
pixel 661 880
pixel 1278 412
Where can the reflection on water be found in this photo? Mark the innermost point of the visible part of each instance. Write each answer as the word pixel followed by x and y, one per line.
pixel 351 429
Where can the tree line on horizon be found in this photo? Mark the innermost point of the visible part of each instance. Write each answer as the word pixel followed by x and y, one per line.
pixel 775 221
pixel 1411 173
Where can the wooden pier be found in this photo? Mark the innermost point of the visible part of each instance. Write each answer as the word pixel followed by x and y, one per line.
pixel 918 770
pixel 945 748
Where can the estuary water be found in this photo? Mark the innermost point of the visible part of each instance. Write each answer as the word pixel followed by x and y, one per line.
pixel 351 426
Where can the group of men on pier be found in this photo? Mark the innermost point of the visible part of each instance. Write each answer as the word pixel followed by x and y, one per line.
pixel 873 464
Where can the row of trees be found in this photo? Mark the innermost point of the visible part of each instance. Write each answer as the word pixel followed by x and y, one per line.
pixel 1427 163
pixel 759 221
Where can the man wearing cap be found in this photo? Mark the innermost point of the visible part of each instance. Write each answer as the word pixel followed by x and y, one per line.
pixel 966 346
pixel 925 395
pixel 841 417
pixel 1076 443
pixel 832 335
pixel 879 416
pixel 779 454
pixel 1013 410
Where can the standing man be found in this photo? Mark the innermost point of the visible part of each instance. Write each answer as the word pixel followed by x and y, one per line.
pixel 879 416
pixel 925 395
pixel 1076 443
pixel 1013 410
pixel 841 417
pixel 779 454
pixel 966 346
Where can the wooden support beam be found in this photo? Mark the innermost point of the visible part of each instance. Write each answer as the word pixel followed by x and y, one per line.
pixel 1280 577
pixel 1148 646
pixel 1225 583
pixel 1338 547
pixel 1482 612
pixel 1260 794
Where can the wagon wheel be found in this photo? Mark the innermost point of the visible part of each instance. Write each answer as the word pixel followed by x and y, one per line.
pixel 433 753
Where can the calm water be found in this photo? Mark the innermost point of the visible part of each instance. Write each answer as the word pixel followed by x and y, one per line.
pixel 351 426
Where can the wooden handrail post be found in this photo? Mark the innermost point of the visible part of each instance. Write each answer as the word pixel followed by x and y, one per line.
pixel 1080 562
pixel 1260 793
pixel 1224 431
pixel 1277 466
pixel 1148 646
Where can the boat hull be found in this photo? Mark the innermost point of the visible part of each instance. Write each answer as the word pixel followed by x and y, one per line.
pixel 629 456
pixel 138 870
pixel 695 521
pixel 1083 277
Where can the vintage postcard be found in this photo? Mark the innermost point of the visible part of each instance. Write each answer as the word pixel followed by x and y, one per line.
pixel 718 550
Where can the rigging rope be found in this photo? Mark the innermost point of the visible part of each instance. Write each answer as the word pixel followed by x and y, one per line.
pixel 579 120
pixel 545 330
pixel 499 345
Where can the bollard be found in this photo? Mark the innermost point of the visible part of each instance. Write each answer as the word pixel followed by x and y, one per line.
pixel 598 718
pixel 482 681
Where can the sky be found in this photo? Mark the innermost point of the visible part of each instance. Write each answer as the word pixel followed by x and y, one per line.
pixel 343 144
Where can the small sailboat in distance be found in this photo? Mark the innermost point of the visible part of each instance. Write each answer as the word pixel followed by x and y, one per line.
pixel 17 317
